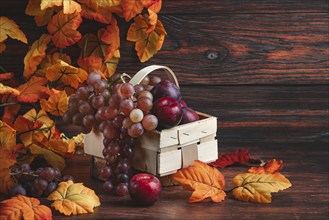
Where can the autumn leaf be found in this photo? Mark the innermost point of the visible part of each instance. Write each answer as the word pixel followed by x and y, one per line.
pixel 51 157
pixel 56 104
pixel 35 55
pixel 5 76
pixel 73 198
pixel 63 28
pixel 73 142
pixel 101 15
pixel 33 90
pixel 7 158
pixel 69 75
pixel 258 187
pixel 69 6
pixel 28 131
pixel 23 207
pixel 203 180
pixel 149 38
pixel 10 111
pixel 91 63
pixel 6 181
pixel 8 28
pixel 41 17
pixel 111 37
pixel 50 60
pixel 8 90
pixel 43 118
pixel 7 136
pixel 240 156
pixel 270 167
pixel 131 8
pixel 154 5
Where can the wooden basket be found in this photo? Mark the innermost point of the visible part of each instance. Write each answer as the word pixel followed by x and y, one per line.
pixel 164 152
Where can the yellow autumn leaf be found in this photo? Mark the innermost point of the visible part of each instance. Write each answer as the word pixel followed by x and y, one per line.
pixel 7 136
pixel 35 55
pixel 258 187
pixel 28 131
pixel 51 157
pixel 73 142
pixel 56 104
pixel 66 73
pixel 42 117
pixel 8 90
pixel 69 6
pixel 73 198
pixel 41 17
pixel 9 28
pixel 50 60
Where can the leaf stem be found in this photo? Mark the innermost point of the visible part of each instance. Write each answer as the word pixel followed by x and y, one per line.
pixel 37 129
pixel 228 191
pixel 85 47
pixel 8 103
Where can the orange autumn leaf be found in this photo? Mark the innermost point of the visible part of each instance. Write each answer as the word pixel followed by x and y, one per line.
pixel 10 111
pixel 258 187
pixel 69 6
pixel 110 66
pixel 35 55
pixel 5 76
pixel 154 5
pixel 28 131
pixel 7 136
pixel 7 158
pixel 8 90
pixel 111 37
pixel 52 158
pixel 101 15
pixel 131 8
pixel 91 63
pixel 66 73
pixel 41 17
pixel 33 90
pixel 23 207
pixel 74 198
pixel 149 38
pixel 271 166
pixel 8 28
pixel 56 103
pixel 50 60
pixel 63 28
pixel 6 181
pixel 43 118
pixel 203 180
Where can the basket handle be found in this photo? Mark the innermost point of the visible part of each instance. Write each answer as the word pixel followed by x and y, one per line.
pixel 139 76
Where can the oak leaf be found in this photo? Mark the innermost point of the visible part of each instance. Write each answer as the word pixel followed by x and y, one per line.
pixel 50 60
pixel 33 90
pixel 66 73
pixel 149 38
pixel 203 180
pixel 51 157
pixel 131 8
pixel 270 167
pixel 73 198
pixel 8 90
pixel 154 5
pixel 7 136
pixel 28 131
pixel 35 55
pixel 239 156
pixel 5 76
pixel 101 15
pixel 56 104
pixel 69 6
pixel 258 187
pixel 63 28
pixel 8 28
pixel 22 207
pixel 41 17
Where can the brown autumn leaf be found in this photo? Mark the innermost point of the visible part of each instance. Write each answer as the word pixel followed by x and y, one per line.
pixel 7 136
pixel 131 8
pixel 67 74
pixel 205 182
pixel 149 38
pixel 8 90
pixel 51 157
pixel 63 28
pixel 50 60
pixel 101 15
pixel 8 28
pixel 270 167
pixel 10 111
pixel 23 207
pixel 33 90
pixel 69 6
pixel 28 130
pixel 56 104
pixel 41 17
pixel 35 55
pixel 73 198
pixel 258 187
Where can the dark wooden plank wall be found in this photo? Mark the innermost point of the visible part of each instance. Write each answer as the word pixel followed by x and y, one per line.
pixel 261 67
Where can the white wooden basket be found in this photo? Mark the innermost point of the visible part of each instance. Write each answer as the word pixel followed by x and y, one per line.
pixel 164 152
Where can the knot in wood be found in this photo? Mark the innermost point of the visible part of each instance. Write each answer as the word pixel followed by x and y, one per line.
pixel 212 55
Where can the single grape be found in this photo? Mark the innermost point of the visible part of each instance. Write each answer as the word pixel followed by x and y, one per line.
pixel 17 189
pixel 85 130
pixel 57 172
pixel 122 189
pixel 110 132
pixel 114 101
pixel 97 101
pixel 150 122
pixel 40 183
pixel 146 94
pixel 107 187
pixel 107 142
pixel 128 152
pixel 136 115
pixel 118 120
pixel 111 112
pixel 100 114
pixel 154 80
pixel 122 167
pixel 48 174
pixel 93 77
pixel 36 192
pixel 136 130
pixel 127 123
pixel 100 86
pixel 123 178
pixel 77 119
pixel 82 93
pixel 106 151
pixel 67 117
pixel 145 81
pixel 138 88
pixel 106 95
pixel 105 172
pixel 126 106
pixel 114 149
pixel 145 104
pixel 73 105
pixel 88 121
pixel 102 125
pixel 126 90
pixel 85 108
pixel 110 159
pixel 52 186
pixel 67 178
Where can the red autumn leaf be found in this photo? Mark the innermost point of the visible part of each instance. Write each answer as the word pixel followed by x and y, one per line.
pixel 101 15
pixel 7 158
pixel 240 156
pixel 112 38
pixel 270 167
pixel 33 90
pixel 154 5
pixel 28 130
pixel 131 8
pixel 63 28
pixel 10 111
pixel 5 76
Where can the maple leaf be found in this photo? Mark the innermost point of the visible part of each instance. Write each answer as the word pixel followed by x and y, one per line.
pixel 91 63
pixel 51 157
pixel 7 136
pixel 43 118
pixel 8 90
pixel 258 187
pixel 7 158
pixel 23 207
pixel 149 38
pixel 111 36
pixel 239 156
pixel 35 55
pixel 5 76
pixel 154 5
pixel 101 15
pixel 50 60
pixel 203 180
pixel 66 73
pixel 63 28
pixel 10 111
pixel 33 90
pixel 9 28
pixel 29 131
pixel 69 6
pixel 56 104
pixel 41 17
pixel 73 198
pixel 131 8
pixel 271 166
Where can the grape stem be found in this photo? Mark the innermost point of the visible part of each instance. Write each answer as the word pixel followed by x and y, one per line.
pixel 119 78
pixel 32 174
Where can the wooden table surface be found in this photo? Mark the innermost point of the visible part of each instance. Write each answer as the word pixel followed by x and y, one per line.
pixel 261 67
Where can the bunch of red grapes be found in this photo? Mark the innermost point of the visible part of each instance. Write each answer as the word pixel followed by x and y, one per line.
pixel 38 183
